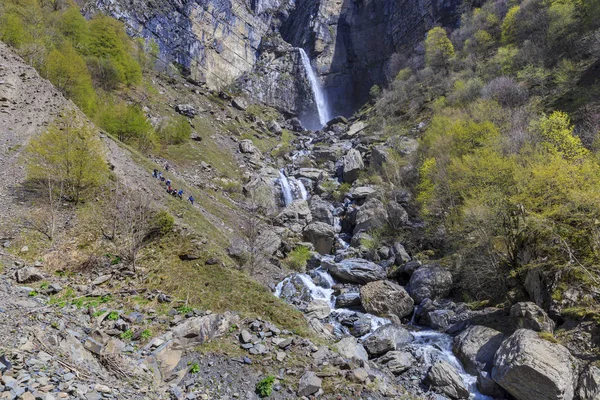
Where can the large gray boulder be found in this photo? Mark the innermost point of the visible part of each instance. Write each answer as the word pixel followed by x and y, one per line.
pixel 529 367
pixel 445 379
pixel 321 235
pixel 318 308
pixel 353 164
pixel 429 281
pixel 349 348
pixel 321 211
pixel 386 338
pixel 355 270
pixel 397 361
pixel 531 316
pixel 589 384
pixel 28 275
pixel 476 346
pixel 347 299
pixel 385 298
pixel 197 330
pixel 372 215
pixel 309 384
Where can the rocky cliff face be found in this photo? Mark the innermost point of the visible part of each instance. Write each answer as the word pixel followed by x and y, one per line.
pixel 354 44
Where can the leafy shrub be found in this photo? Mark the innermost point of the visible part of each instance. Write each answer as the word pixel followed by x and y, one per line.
pixel 112 316
pixel 194 368
pixel 175 130
pixel 163 223
pixel 128 334
pixel 506 91
pixel 127 123
pixel 298 258
pixel 264 387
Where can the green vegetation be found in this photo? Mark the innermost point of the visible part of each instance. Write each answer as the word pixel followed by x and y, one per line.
pixel 508 162
pixel 264 387
pixel 176 130
pixel 112 316
pixel 67 158
pixel 194 368
pixel 127 335
pixel 298 258
pixel 146 334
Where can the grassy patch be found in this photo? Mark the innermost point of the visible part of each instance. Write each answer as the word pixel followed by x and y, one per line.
pixel 298 258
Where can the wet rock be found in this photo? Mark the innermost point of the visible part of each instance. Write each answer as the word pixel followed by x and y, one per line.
pixel 28 275
pixel 355 270
pixel 475 348
pixel 349 348
pixel 352 164
pixel 309 384
pixel 444 378
pixel 397 361
pixel 530 316
pixel 372 215
pixel 386 338
pixel 347 299
pixel 321 235
pixel 440 319
pixel 529 367
pixel 430 281
pixel 187 110
pixel 384 298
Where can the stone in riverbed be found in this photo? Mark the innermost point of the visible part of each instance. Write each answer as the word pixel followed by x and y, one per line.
pixel 475 348
pixel 397 361
pixel 384 298
pixel 321 235
pixel 355 270
pixel 445 379
pixel 429 281
pixel 386 338
pixel 529 367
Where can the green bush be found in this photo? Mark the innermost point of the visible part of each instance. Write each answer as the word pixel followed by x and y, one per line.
pixel 163 223
pixel 175 130
pixel 127 123
pixel 264 388
pixel 298 258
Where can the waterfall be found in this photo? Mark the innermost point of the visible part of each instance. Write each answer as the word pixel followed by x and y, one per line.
pixel 303 192
pixel 286 189
pixel 316 89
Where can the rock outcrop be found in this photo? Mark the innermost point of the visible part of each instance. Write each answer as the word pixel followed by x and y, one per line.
pixel 429 282
pixel 476 346
pixel 356 270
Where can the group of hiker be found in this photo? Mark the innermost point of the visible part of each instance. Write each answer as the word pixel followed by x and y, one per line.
pixel 170 190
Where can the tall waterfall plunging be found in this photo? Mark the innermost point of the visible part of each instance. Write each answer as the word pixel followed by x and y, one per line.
pixel 319 95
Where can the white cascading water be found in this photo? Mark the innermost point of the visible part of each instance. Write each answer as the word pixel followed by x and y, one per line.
pixel 303 192
pixel 288 197
pixel 315 85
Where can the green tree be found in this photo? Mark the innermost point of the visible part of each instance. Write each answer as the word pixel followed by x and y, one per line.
pixel 438 48
pixel 12 30
pixel 127 123
pixel 74 27
pixel 509 26
pixel 69 154
pixel 67 70
pixel 556 131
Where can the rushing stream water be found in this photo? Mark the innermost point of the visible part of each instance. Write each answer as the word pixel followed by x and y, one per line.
pixel 428 346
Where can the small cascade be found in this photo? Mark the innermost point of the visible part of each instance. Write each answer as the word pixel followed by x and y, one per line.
pixel 319 96
pixel 288 197
pixel 303 192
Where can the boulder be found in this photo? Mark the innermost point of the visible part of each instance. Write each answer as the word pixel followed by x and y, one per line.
pixel 355 128
pixel 349 348
pixel 475 348
pixel 247 147
pixel 397 215
pixel 310 173
pixel 275 128
pixel 379 156
pixel 430 281
pixel 401 254
pixel 487 386
pixel 444 378
pixel 386 338
pixel 187 110
pixel 321 211
pixel 318 308
pixel 352 164
pixel 321 235
pixel 28 275
pixel 589 384
pixel 355 270
pixel 531 316
pixel 362 192
pixel 384 298
pixel 440 319
pixel 309 384
pixel 197 330
pixel 397 361
pixel 372 215
pixel 529 367
pixel 240 103
pixel 347 299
